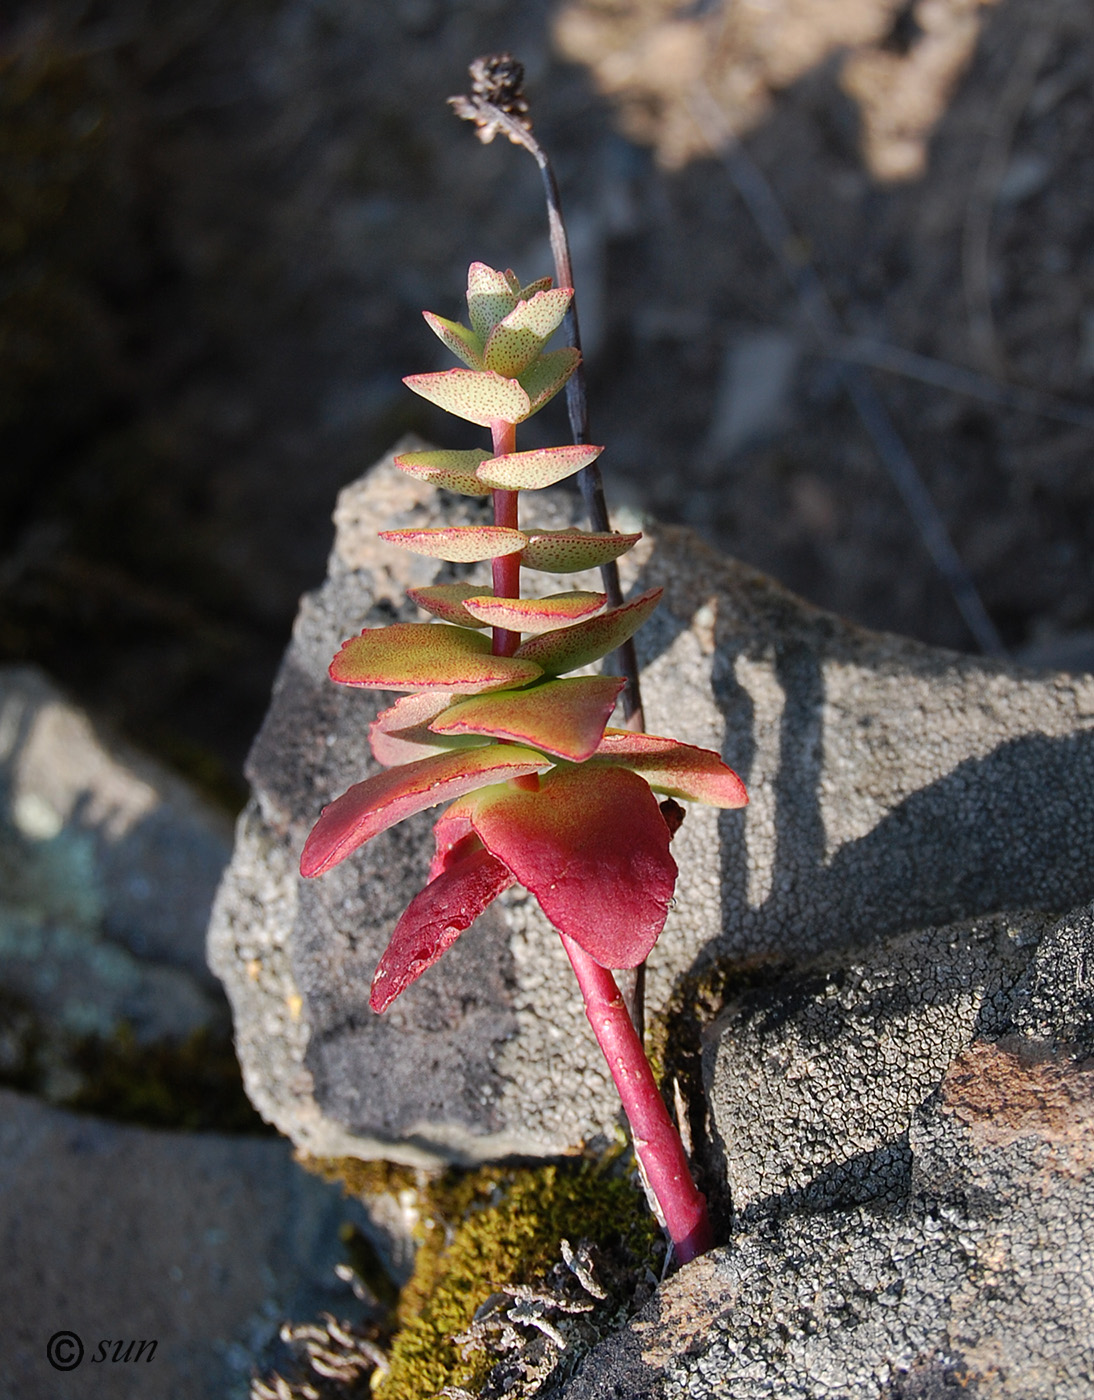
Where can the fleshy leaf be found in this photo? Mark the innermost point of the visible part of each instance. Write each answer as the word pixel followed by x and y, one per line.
pixel 446 601
pixel 516 341
pixel 454 470
pixel 434 919
pixel 387 798
pixel 427 656
pixel 490 297
pixel 512 280
pixel 541 284
pixel 479 396
pixel 681 770
pixel 451 829
pixel 571 647
pixel 593 848
pixel 546 376
pixel 564 718
pixel 530 471
pixel 570 551
pixel 528 614
pixel 464 344
pixel 460 544
pixel 401 733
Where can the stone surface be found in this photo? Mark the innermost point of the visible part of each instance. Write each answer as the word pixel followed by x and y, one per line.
pixel 201 1242
pixel 979 1280
pixel 108 867
pixel 893 788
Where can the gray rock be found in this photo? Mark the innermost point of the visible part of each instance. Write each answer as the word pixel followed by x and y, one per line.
pixel 108 867
pixel 893 787
pixel 199 1242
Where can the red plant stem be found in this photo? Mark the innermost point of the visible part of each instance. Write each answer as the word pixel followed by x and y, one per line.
pixel 506 566
pixel 656 1140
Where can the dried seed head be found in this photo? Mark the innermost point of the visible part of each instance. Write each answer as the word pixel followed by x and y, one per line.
pixel 497 82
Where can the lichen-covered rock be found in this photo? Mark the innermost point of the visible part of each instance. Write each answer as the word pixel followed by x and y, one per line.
pixel 893 788
pixel 980 1280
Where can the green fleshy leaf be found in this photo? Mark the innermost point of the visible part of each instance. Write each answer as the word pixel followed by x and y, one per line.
pixel 463 343
pixel 381 801
pixel 531 471
pixel 593 848
pixel 427 656
pixel 454 470
pixel 564 718
pixel 490 298
pixel 459 544
pixel 446 601
pixel 541 284
pixel 570 551
pixel 516 341
pixel 529 614
pixel 571 647
pixel 512 280
pixel 478 396
pixel 680 770
pixel 547 375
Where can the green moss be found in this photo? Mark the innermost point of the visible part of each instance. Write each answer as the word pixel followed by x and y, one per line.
pixel 498 1227
pixel 193 1084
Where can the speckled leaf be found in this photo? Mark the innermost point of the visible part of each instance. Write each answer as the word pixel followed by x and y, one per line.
pixel 541 284
pixel 530 614
pixel 547 375
pixel 571 647
pixel 512 280
pixel 680 770
pixel 434 919
pixel 564 718
pixel 459 544
pixel 454 470
pixel 446 601
pixel 387 798
pixel 479 396
pixel 463 343
pixel 570 551
pixel 490 297
pixel 427 656
pixel 530 471
pixel 401 734
pixel 516 341
pixel 593 848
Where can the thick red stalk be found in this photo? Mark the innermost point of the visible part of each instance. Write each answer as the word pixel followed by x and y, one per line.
pixel 656 1140
pixel 506 566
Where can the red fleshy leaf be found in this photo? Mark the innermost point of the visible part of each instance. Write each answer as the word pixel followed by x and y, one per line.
pixel 564 718
pixel 427 656
pixel 593 848
pixel 434 919
pixel 450 829
pixel 387 798
pixel 681 770
pixel 401 734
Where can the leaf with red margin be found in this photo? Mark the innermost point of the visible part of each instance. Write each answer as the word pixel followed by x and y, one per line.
pixel 570 647
pixel 427 656
pixel 518 338
pixel 593 848
pixel 434 919
pixel 459 544
pixel 386 798
pixel 451 831
pixel 401 733
pixel 479 396
pixel 541 284
pixel 564 718
pixel 570 551
pixel 531 614
pixel 681 770
pixel 531 471
pixel 490 297
pixel 545 377
pixel 446 601
pixel 453 469
pixel 464 344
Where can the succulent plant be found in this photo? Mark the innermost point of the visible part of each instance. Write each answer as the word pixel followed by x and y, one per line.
pixel 541 791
